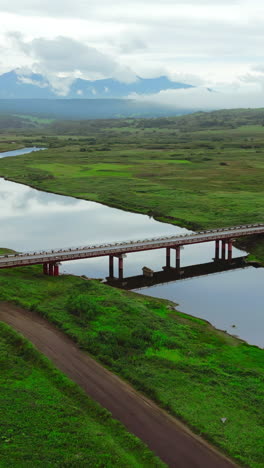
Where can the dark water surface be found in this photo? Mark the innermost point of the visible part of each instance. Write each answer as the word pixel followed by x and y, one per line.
pixel 34 220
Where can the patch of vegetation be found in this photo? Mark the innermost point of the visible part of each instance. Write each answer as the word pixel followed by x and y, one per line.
pixel 35 119
pixel 4 251
pixel 255 245
pixel 185 365
pixel 47 420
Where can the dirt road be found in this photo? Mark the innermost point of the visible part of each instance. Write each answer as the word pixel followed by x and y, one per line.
pixel 167 437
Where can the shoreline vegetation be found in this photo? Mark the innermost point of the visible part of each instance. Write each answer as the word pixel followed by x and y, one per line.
pixel 193 371
pixel 199 172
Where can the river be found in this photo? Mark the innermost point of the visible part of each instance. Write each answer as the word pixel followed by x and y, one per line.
pixel 34 220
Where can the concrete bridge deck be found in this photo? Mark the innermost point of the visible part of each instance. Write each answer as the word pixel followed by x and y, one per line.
pixel 119 248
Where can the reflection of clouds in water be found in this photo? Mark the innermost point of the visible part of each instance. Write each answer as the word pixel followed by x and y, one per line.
pixel 37 220
pixel 19 200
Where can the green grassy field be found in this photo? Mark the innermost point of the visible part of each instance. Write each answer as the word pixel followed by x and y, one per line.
pixel 47 421
pixel 179 170
pixel 184 364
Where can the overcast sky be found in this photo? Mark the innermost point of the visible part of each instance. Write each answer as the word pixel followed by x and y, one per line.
pixel 209 43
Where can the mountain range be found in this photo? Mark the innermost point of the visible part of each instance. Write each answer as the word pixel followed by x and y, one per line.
pixel 14 85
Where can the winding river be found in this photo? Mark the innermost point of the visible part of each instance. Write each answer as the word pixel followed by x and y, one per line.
pixel 34 220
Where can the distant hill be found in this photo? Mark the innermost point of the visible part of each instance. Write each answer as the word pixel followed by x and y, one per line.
pixel 15 86
pixel 65 114
pixel 85 108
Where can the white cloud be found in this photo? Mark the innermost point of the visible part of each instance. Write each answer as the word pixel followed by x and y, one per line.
pixel 201 42
pixel 236 95
pixel 27 80
pixel 80 8
pixel 62 59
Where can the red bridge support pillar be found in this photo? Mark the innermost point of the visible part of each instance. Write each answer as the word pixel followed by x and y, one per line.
pixel 230 245
pixel 45 269
pixel 223 249
pixel 178 257
pixel 168 257
pixel 51 269
pixel 111 266
pixel 217 250
pixel 120 267
pixel 56 269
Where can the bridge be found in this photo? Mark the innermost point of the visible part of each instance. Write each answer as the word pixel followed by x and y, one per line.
pixel 51 259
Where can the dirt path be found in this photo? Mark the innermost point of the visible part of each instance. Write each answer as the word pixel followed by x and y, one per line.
pixel 167 437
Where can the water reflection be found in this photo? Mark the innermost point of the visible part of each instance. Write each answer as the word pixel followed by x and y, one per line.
pixel 168 274
pixel 225 299
pixel 31 219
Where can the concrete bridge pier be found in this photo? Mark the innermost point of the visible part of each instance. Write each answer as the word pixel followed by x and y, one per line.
pixel 230 245
pixel 120 266
pixel 168 257
pixel 217 242
pixel 51 269
pixel 178 257
pixel 111 266
pixel 223 249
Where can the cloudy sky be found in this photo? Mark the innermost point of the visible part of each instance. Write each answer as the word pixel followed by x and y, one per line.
pixel 208 43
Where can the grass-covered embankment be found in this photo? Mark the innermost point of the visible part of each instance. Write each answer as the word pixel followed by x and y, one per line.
pixel 199 171
pixel 46 420
pixel 195 372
